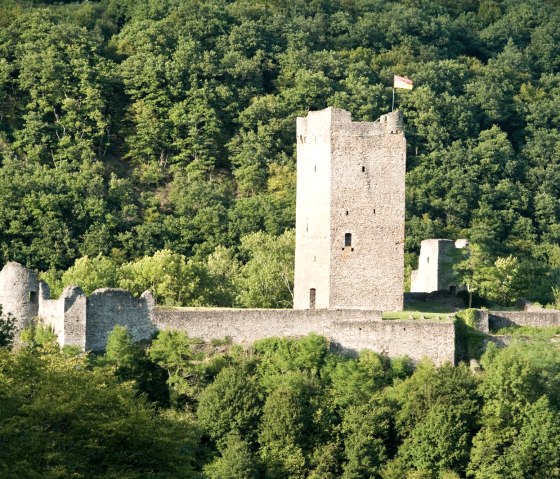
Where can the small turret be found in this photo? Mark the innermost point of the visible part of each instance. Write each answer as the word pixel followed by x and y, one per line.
pixel 393 122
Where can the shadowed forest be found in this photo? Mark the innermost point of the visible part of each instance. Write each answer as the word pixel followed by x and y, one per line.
pixel 150 143
pixel 281 409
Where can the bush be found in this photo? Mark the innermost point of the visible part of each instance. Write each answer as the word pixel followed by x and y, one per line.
pixel 7 329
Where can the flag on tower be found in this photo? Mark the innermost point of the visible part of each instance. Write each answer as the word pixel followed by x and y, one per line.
pixel 402 82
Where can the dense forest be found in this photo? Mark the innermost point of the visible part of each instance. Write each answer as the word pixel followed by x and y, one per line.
pixel 281 409
pixel 150 143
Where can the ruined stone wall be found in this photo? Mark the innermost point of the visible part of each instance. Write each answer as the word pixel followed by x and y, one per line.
pixel 350 182
pixel 425 278
pixel 351 330
pixel 87 322
pixel 67 315
pixel 107 308
pixel 74 304
pixel 51 311
pixel 19 293
pixel 435 265
pixel 538 319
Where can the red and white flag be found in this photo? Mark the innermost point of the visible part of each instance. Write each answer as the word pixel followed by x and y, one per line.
pixel 402 82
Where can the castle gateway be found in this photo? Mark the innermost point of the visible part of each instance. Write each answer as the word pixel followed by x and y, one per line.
pixel 350 212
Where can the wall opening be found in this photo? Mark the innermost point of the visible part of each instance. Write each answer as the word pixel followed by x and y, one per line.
pixel 363 169
pixel 348 239
pixel 453 290
pixel 427 259
pixel 32 296
pixel 312 298
pixel 346 212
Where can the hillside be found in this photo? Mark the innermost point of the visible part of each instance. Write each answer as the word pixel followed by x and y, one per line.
pixel 148 134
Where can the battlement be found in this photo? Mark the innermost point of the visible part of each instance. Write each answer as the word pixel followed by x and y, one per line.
pixel 324 122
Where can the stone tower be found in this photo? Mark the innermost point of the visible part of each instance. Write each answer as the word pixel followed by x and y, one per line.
pixel 19 289
pixel 350 212
pixel 435 266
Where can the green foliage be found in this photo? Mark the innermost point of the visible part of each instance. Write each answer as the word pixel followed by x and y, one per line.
pixel 232 403
pixel 168 275
pixel 284 408
pixel 187 375
pixel 278 356
pixel 91 274
pixel 236 461
pixel 60 418
pixel 131 128
pixel 354 381
pixel 266 279
pixel 7 329
pixel 518 380
pixel 469 341
pixel 131 364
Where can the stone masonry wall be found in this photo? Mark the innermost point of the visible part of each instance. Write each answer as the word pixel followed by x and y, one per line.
pixel 74 303
pixel 51 311
pixel 107 308
pixel 351 330
pixel 435 265
pixel 368 202
pixel 350 182
pixel 66 315
pixel 537 319
pixel 313 224
pixel 19 291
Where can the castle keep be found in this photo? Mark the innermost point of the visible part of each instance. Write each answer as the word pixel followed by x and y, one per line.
pixel 350 212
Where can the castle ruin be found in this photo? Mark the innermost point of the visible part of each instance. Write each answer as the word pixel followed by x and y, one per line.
pixel 77 320
pixel 349 262
pixel 435 266
pixel 350 210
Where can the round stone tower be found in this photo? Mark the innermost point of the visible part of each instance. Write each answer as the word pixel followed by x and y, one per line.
pixel 19 293
pixel 394 122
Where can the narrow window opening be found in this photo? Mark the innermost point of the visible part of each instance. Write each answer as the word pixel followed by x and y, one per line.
pixel 348 239
pixel 312 298
pixel 306 227
pixel 373 210
pixel 315 169
pixel 363 169
pixel 32 296
pixel 428 259
pixel 346 212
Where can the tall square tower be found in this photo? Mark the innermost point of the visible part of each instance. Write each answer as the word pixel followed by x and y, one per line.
pixel 350 212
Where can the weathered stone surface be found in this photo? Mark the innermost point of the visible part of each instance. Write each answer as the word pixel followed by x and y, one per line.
pixel 19 293
pixel 351 330
pixel 350 182
pixel 545 318
pixel 107 308
pixel 435 265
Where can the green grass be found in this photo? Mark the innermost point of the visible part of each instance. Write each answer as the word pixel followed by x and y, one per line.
pixel 529 332
pixel 418 315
